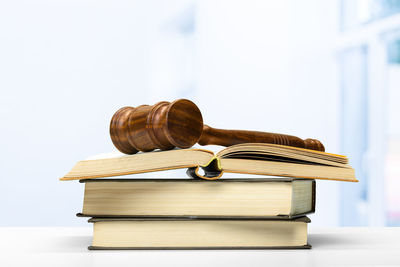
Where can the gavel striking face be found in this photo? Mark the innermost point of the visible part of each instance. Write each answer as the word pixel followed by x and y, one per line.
pixel 168 125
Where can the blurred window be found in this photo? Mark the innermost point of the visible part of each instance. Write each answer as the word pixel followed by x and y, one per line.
pixel 355 13
pixel 354 139
pixel 370 134
pixel 392 159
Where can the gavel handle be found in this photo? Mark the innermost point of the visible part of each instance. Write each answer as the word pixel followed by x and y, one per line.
pixel 213 136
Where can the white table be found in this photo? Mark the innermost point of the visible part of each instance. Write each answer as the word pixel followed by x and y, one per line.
pixel 57 246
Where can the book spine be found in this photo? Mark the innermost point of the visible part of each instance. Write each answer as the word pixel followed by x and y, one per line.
pixel 212 171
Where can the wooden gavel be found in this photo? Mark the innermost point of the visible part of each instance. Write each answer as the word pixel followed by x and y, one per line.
pixel 167 125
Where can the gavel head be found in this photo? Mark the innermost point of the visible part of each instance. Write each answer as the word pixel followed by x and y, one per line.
pixel 164 125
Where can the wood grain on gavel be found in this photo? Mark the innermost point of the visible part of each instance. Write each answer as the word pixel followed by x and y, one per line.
pixel 167 125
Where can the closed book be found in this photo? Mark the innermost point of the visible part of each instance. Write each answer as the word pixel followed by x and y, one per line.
pixel 186 233
pixel 262 198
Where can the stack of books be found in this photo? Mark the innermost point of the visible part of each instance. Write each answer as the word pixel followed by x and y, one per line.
pixel 198 214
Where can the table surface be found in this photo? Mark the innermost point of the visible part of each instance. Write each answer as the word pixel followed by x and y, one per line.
pixel 67 246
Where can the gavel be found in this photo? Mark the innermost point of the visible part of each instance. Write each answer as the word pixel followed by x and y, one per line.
pixel 167 125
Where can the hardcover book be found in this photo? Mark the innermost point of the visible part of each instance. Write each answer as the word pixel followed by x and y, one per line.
pixel 282 197
pixel 140 233
pixel 263 159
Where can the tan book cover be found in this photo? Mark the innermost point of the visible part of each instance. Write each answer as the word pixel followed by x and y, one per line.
pixel 186 233
pixel 262 198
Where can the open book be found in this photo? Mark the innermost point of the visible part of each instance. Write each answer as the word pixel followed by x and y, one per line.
pixel 250 158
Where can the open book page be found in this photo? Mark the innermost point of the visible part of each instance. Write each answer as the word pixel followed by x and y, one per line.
pixel 282 153
pixel 120 164
pixel 116 154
